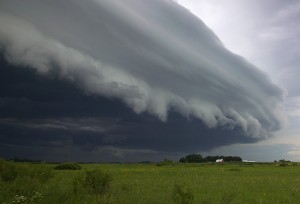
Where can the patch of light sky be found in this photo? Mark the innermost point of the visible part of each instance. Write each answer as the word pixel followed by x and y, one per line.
pixel 267 34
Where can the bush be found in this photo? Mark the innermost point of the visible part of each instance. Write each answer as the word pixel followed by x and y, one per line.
pixel 97 182
pixel 68 166
pixel 182 196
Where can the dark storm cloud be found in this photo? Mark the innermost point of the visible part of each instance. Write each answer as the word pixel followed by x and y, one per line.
pixel 47 118
pixel 86 60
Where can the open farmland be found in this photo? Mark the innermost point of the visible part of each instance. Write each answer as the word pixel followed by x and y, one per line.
pixel 150 183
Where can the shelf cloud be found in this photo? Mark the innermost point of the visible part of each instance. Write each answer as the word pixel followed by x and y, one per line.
pixel 155 56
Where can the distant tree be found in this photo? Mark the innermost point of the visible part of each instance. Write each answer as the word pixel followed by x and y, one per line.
pixel 192 158
pixel 145 162
pixel 183 160
pixel 232 159
pixel 283 160
pixel 197 158
pixel 16 159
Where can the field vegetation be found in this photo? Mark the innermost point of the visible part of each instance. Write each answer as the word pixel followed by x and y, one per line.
pixel 166 182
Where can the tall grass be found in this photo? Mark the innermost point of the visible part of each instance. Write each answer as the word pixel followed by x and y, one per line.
pixel 148 183
pixel 182 195
pixel 20 183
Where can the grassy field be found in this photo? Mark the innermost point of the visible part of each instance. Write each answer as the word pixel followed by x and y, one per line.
pixel 150 183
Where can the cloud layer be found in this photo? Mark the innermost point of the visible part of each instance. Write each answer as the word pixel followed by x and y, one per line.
pixel 44 117
pixel 153 55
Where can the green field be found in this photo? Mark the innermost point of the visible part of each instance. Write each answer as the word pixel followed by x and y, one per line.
pixel 150 183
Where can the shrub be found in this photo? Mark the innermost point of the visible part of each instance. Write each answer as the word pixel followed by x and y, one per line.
pixel 68 166
pixel 181 195
pixel 97 182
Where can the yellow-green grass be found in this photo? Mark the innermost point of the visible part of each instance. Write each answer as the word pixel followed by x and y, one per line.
pixel 149 183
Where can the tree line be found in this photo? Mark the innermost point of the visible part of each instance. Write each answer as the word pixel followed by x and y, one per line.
pixel 197 158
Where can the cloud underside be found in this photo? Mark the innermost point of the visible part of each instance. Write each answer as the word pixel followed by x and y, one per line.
pixel 155 56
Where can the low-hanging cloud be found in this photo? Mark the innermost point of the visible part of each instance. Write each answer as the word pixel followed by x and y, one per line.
pixel 153 55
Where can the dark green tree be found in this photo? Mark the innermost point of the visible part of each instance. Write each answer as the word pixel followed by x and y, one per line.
pixel 194 158
pixel 183 160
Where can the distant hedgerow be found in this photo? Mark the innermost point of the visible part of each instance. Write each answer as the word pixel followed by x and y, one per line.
pixel 68 166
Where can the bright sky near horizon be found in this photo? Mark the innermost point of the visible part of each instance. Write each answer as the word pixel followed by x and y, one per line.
pixel 266 33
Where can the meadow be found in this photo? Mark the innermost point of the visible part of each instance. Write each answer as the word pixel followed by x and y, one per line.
pixel 150 183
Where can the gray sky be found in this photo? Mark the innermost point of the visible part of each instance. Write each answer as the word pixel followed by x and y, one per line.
pixel 181 85
pixel 267 34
